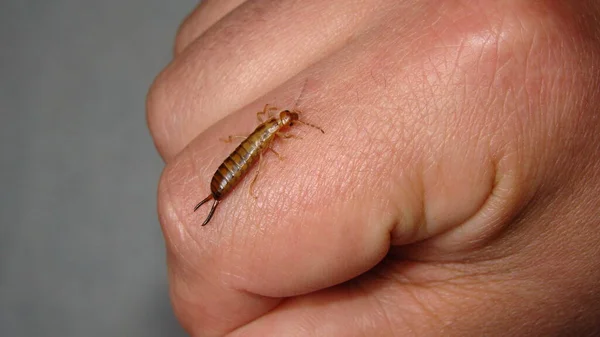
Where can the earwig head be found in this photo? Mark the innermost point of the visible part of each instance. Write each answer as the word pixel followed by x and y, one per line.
pixel 287 117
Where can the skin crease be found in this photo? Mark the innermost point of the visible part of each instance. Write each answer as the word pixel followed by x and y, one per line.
pixel 453 193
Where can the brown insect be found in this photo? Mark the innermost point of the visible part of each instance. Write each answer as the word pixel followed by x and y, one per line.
pixel 235 167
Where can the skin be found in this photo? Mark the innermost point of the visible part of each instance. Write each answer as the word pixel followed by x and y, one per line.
pixel 454 192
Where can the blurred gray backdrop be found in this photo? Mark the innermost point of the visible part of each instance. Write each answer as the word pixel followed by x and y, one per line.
pixel 81 252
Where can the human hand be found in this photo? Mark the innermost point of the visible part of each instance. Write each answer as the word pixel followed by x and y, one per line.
pixel 455 191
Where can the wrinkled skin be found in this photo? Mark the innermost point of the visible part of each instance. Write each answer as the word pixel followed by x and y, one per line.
pixel 454 192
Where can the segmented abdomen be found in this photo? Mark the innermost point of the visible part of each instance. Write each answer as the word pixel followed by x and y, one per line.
pixel 241 159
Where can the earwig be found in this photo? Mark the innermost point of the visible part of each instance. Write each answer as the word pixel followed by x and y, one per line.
pixel 239 162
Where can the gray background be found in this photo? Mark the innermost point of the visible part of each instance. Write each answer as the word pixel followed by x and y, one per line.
pixel 81 252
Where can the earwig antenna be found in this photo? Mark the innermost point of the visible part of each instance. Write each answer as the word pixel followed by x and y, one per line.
pixel 314 126
pixel 212 209
pixel 296 105
pixel 301 93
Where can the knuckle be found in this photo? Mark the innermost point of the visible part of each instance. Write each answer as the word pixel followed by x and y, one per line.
pixel 174 217
pixel 167 211
pixel 159 105
pixel 184 36
pixel 186 32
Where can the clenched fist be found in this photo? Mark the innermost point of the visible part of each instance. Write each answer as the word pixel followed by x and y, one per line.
pixel 455 191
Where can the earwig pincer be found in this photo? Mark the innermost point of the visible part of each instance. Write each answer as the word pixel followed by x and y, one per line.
pixel 239 162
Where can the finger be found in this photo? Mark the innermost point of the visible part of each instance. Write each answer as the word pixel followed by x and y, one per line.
pixel 242 57
pixel 407 299
pixel 404 298
pixel 206 14
pixel 350 309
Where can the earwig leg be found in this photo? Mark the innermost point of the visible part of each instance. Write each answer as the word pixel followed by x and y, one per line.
pixel 270 111
pixel 287 135
pixel 210 196
pixel 266 111
pixel 230 138
pixel 212 211
pixel 276 153
pixel 251 188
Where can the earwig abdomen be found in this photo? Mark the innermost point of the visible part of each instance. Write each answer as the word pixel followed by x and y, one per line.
pixel 241 159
